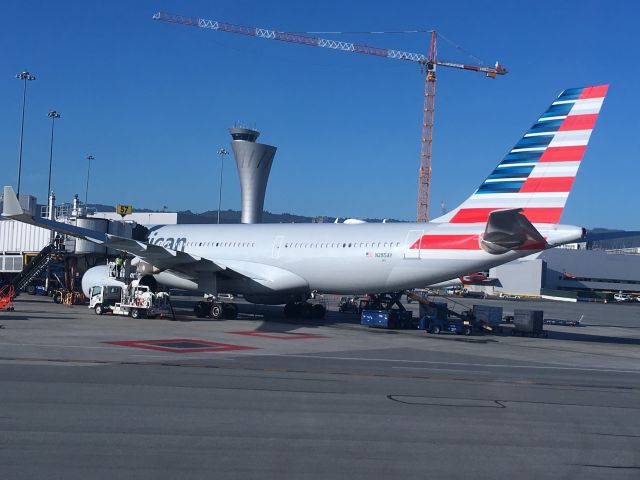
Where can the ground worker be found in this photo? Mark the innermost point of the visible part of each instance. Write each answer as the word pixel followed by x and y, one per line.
pixel 119 266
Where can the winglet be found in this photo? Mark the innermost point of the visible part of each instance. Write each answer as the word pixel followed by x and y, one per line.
pixel 11 205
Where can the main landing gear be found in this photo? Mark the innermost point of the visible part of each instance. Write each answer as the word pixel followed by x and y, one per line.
pixel 383 301
pixel 216 310
pixel 304 310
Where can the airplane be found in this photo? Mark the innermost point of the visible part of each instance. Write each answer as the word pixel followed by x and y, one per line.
pixel 477 278
pixel 514 213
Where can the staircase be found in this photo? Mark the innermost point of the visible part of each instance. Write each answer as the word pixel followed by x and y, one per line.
pixel 34 268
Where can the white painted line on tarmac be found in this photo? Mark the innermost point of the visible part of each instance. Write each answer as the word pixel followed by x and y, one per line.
pixel 58 346
pixel 357 359
pixel 535 367
pixel 388 360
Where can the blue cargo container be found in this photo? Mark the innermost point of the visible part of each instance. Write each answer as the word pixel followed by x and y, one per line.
pixel 395 319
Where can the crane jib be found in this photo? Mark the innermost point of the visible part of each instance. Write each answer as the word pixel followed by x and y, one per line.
pixel 429 61
pixel 310 41
pixel 317 42
pixel 291 37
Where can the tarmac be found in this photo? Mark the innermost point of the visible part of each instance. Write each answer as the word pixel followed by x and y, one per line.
pixel 88 396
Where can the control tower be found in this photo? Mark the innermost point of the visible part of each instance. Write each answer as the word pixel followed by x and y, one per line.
pixel 254 164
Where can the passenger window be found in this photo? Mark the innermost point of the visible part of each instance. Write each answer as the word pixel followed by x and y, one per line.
pixel 349 245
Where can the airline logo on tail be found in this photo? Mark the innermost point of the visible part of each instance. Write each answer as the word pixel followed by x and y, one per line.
pixel 537 174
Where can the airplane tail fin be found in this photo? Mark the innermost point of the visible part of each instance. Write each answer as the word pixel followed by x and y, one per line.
pixel 537 174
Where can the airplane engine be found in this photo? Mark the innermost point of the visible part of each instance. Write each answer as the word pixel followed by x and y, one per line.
pixel 143 267
pixel 152 276
pixel 172 280
pixel 98 276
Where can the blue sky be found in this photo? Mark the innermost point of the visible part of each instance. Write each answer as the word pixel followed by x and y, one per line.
pixel 153 101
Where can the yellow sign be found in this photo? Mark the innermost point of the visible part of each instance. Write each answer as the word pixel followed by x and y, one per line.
pixel 124 210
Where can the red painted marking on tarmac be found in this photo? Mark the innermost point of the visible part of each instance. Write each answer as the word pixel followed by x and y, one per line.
pixel 280 336
pixel 181 345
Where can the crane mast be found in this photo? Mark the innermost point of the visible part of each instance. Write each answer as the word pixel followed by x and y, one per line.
pixel 424 174
pixel 430 62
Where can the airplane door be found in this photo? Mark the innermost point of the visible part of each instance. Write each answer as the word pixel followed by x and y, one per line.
pixel 412 240
pixel 277 245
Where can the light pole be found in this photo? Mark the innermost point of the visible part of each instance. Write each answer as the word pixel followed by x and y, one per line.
pixel 86 193
pixel 26 77
pixel 50 198
pixel 222 152
pixel 52 115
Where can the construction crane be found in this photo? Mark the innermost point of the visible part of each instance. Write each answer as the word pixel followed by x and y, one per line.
pixel 428 63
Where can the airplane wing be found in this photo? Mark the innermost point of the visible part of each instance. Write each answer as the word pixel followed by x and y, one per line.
pixel 186 264
pixel 160 257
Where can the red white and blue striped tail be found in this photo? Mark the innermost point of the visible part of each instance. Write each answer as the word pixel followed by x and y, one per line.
pixel 537 174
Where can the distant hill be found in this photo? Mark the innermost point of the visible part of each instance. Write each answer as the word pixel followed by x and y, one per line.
pixel 233 216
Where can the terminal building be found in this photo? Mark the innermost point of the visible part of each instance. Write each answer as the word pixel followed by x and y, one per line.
pixel 569 273
pixel 21 243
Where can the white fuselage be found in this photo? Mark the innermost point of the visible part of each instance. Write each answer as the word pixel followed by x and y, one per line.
pixel 344 258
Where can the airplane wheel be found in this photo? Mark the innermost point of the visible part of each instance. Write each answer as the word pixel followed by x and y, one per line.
pixel 318 311
pixel 216 311
pixel 306 311
pixel 291 310
pixel 200 309
pixel 230 311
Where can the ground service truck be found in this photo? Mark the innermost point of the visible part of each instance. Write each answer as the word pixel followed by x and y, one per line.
pixel 135 301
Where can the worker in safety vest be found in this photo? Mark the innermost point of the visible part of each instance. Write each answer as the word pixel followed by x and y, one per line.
pixel 119 266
